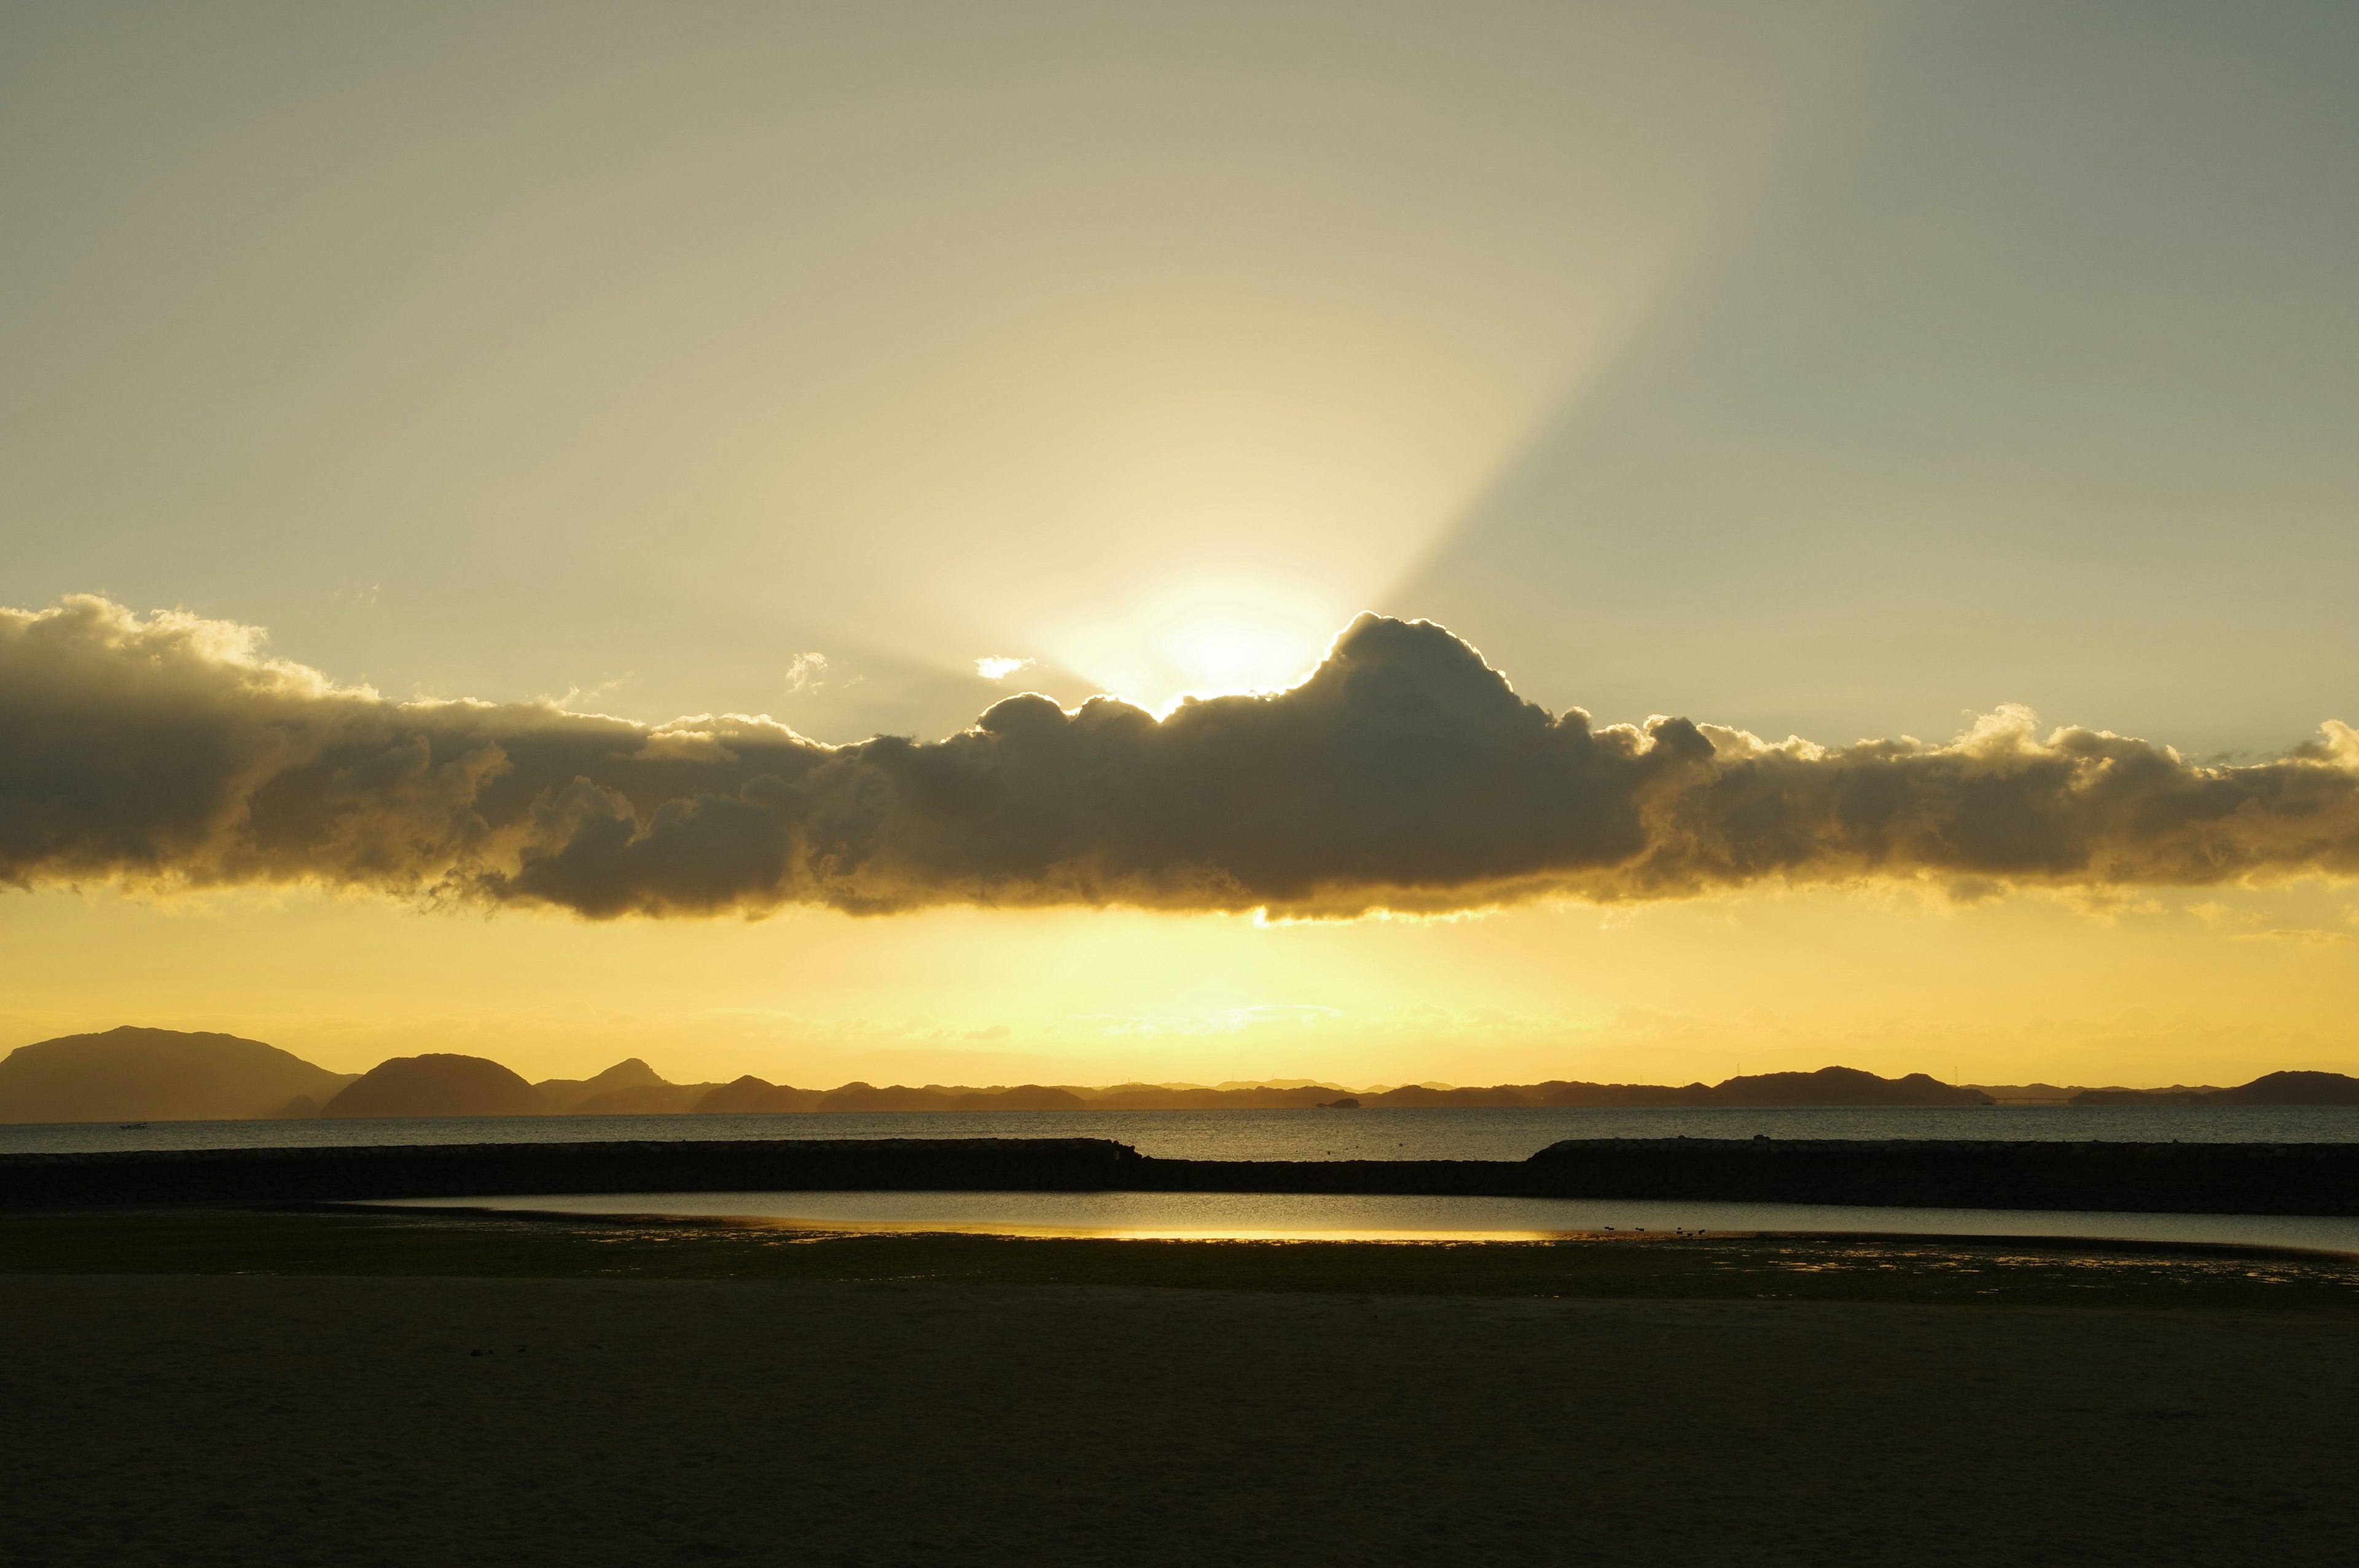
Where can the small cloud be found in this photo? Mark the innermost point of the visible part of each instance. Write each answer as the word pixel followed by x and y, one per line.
pixel 804 673
pixel 2307 937
pixel 998 667
pixel 578 693
pixel 2106 905
pixel 996 1032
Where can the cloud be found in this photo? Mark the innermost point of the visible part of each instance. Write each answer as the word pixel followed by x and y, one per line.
pixel 803 671
pixel 2307 937
pixel 998 667
pixel 1403 775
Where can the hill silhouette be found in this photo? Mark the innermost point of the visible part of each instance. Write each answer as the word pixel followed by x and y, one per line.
pixel 132 1074
pixel 1843 1085
pixel 751 1093
pixel 644 1099
pixel 2269 1088
pixel 437 1084
pixel 2293 1089
pixel 135 1074
pixel 629 1088
pixel 565 1095
pixel 1827 1087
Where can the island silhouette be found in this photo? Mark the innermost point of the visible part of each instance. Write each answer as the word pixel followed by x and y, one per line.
pixel 142 1075
pixel 161 1075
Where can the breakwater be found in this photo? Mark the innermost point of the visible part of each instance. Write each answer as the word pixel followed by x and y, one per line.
pixel 459 1170
pixel 2184 1178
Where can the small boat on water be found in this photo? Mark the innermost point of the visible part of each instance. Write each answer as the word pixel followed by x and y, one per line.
pixel 131 1126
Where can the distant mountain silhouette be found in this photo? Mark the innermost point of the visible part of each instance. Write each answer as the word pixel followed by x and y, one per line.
pixel 156 1074
pixel 437 1084
pixel 2293 1089
pixel 1023 1096
pixel 857 1095
pixel 565 1094
pixel 629 1088
pixel 1827 1087
pixel 149 1074
pixel 2269 1088
pixel 1843 1085
pixel 644 1100
pixel 750 1093
pixel 1162 1097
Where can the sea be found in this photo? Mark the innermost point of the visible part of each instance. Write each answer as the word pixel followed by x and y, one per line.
pixel 1362 1216
pixel 1406 1133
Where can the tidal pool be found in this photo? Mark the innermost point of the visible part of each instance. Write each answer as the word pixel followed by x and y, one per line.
pixel 1365 1217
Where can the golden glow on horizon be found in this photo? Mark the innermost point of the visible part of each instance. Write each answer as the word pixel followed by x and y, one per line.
pixel 2215 986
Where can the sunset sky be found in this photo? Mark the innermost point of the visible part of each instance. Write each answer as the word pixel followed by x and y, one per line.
pixel 1837 371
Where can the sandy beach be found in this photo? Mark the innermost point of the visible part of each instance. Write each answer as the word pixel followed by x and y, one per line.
pixel 246 1419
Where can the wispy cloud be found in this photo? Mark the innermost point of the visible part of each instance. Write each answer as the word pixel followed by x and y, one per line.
pixel 2307 937
pixel 998 667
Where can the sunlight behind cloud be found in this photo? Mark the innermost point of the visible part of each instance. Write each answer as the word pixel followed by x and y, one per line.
pixel 1284 384
pixel 1206 637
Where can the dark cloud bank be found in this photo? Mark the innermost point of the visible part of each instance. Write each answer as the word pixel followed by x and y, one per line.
pixel 1404 774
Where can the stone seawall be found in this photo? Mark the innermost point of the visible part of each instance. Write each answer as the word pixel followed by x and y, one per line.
pixel 2159 1178
pixel 2185 1178
pixel 462 1170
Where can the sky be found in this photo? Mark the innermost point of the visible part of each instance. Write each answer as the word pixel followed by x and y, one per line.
pixel 1844 372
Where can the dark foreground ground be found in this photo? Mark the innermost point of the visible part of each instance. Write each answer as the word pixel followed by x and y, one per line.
pixel 378 1391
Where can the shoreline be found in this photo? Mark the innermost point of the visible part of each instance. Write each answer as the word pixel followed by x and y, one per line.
pixel 2062 1244
pixel 2261 1179
pixel 325 1240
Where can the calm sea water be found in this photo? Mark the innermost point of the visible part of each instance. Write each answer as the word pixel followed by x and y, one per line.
pixel 1356 1216
pixel 1404 1134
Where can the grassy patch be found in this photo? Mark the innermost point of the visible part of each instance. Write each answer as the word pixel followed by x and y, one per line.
pixel 1662 1268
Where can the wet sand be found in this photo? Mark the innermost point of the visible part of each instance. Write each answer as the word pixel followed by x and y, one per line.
pixel 286 1420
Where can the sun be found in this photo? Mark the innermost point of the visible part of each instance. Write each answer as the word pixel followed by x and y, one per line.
pixel 1226 648
pixel 1204 638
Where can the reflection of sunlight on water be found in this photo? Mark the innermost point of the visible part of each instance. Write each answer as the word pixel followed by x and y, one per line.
pixel 1171 1233
pixel 1233 1233
pixel 1288 1216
